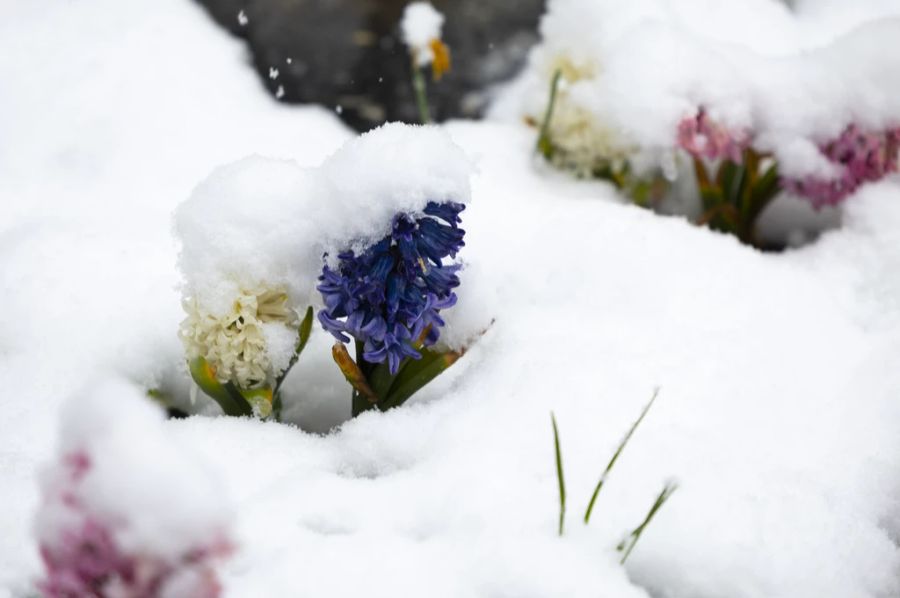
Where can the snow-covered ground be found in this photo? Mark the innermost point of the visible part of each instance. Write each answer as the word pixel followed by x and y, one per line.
pixel 778 410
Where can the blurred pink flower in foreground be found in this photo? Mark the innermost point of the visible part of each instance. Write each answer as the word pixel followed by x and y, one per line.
pixel 127 511
pixel 83 559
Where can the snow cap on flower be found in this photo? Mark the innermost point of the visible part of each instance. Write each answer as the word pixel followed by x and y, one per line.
pixel 126 511
pixel 421 31
pixel 250 224
pixel 394 169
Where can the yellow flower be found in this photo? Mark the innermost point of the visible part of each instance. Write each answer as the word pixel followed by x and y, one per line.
pixel 440 64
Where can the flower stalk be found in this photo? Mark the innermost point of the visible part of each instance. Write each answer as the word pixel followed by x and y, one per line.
pixel 421 32
pixel 419 88
pixel 544 144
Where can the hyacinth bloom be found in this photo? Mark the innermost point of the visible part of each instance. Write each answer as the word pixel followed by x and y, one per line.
pixel 860 157
pixel 240 358
pixel 390 295
pixel 83 559
pixel 735 182
pixel 235 344
pixel 702 137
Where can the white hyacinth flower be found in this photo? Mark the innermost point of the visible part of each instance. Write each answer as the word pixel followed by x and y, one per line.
pixel 582 144
pixel 251 344
pixel 582 141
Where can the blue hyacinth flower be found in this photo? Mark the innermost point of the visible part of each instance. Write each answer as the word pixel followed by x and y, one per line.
pixel 390 295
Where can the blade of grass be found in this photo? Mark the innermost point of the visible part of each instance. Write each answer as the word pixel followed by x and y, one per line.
pixel 612 462
pixel 559 474
pixel 627 545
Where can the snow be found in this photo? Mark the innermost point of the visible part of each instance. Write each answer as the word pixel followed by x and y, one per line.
pixel 395 168
pixel 777 410
pixel 632 72
pixel 421 24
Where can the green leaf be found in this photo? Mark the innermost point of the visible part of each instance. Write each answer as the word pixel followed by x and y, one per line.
pixel 260 399
pixel 763 192
pixel 559 474
pixel 615 457
pixel 628 544
pixel 277 407
pixel 303 333
pixel 731 181
pixel 712 199
pixel 381 380
pixel 703 182
pixel 416 373
pixel 227 396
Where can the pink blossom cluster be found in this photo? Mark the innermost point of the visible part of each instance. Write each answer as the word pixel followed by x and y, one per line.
pixel 83 559
pixel 702 137
pixel 861 156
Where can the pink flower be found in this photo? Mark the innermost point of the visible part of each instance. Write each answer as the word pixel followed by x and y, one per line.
pixel 860 157
pixel 702 137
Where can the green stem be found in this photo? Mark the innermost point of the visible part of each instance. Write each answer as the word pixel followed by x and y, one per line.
pixel 544 144
pixel 421 99
pixel 359 402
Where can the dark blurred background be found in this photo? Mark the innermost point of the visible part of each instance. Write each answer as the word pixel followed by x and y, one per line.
pixel 348 53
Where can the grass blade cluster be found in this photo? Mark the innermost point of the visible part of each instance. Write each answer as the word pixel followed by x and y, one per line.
pixel 626 545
